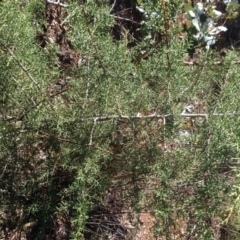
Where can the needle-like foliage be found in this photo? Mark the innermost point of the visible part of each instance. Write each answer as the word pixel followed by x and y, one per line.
pixel 108 110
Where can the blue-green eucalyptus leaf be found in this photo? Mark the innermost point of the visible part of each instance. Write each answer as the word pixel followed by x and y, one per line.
pixel 199 8
pixel 210 40
pixel 196 24
pixel 217 30
pixel 191 14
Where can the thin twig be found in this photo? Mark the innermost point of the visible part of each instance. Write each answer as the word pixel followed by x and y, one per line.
pixel 153 116
pixel 114 3
pixel 91 135
pixel 104 150
pixel 44 134
pixel 58 93
pixel 195 62
pixel 88 84
pixel 126 19
pixel 190 234
pixel 25 70
pixel 21 65
pixel 112 117
pixel 195 115
pixel 166 29
pixel 230 230
pixel 94 45
pixel 69 16
pixel 164 133
pixel 5 167
pixel 191 63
